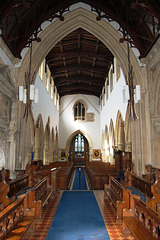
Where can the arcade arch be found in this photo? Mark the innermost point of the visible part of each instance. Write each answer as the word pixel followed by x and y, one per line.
pixel 101 29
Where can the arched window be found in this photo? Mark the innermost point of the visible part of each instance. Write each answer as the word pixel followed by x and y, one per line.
pixel 79 111
pixel 79 145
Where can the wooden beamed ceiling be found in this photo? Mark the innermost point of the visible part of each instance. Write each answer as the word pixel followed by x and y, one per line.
pixel 79 63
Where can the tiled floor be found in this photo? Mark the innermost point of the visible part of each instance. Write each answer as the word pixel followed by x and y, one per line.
pixel 39 230
pixel 109 216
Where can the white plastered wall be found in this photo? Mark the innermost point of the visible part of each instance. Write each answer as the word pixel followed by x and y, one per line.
pixel 67 124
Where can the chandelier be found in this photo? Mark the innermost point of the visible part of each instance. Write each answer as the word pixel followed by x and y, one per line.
pixel 131 92
pixel 29 93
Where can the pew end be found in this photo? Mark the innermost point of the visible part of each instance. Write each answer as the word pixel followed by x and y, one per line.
pixel 154 202
pixel 140 220
pixel 118 195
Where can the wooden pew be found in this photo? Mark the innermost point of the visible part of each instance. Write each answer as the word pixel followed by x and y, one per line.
pixel 54 177
pixel 64 174
pixel 13 217
pixel 44 183
pixel 118 195
pixel 140 184
pixel 18 185
pixel 4 190
pixel 140 220
pixel 7 175
pixel 38 196
pixel 154 202
pixel 19 214
pixel 10 189
pixel 98 173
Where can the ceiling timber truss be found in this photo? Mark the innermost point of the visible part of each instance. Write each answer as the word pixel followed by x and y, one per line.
pixel 79 63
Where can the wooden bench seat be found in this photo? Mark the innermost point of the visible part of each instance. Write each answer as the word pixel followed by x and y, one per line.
pixel 20 229
pixel 43 191
pixel 44 197
pixel 137 229
pixel 98 173
pixel 65 170
pixel 138 183
pixel 19 213
pixel 154 202
pixel 14 216
pixel 140 220
pixel 113 197
pixel 18 185
pixel 118 195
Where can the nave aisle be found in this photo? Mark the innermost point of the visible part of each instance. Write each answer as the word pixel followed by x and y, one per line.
pixel 42 226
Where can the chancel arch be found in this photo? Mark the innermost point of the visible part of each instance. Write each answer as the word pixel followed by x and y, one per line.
pixel 90 144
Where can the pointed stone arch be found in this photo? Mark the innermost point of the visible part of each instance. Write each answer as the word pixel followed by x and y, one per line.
pixel 46 143
pixel 119 132
pixel 39 139
pixel 32 137
pixel 111 141
pixel 56 144
pixel 80 18
pixel 106 144
pixel 85 135
pixel 103 145
pixel 52 144
pixel 127 130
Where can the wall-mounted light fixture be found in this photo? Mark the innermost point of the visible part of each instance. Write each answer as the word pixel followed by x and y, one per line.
pixel 33 94
pixel 28 93
pixel 136 93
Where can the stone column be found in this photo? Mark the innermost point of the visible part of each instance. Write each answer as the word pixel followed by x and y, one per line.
pixel 121 137
pixel 12 152
pixel 141 128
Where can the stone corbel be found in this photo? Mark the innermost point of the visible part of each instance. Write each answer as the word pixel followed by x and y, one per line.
pixel 156 123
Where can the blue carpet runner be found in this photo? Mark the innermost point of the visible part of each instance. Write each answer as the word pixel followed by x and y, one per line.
pixel 78 217
pixel 80 180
